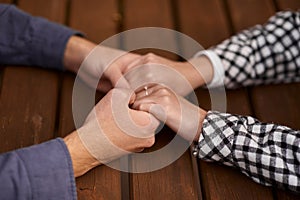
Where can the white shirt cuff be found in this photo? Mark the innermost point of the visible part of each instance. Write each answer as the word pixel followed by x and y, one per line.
pixel 219 73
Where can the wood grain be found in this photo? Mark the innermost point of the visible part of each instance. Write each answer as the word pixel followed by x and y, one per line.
pixel 54 10
pixel 248 13
pixel 172 182
pixel 204 21
pixel 98 20
pixel 175 181
pixel 27 113
pixel 288 4
pixel 155 13
pixel 6 1
pixel 278 107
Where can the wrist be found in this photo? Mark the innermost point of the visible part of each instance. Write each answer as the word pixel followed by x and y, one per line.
pixel 202 114
pixel 76 51
pixel 198 71
pixel 82 160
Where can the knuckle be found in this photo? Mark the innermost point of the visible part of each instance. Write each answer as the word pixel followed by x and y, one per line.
pixel 165 93
pixel 149 142
pixel 166 99
pixel 141 107
pixel 150 57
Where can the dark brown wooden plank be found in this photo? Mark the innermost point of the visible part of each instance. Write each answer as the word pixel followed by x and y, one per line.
pixel 220 182
pixel 155 13
pixel 204 21
pixel 285 195
pixel 175 181
pixel 178 173
pixel 6 1
pixel 288 4
pixel 278 107
pixel 55 10
pixel 101 182
pixel 97 19
pixel 248 13
pixel 27 112
pixel 234 184
pixel 233 97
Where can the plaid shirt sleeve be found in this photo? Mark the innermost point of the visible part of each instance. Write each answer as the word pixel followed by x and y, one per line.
pixel 263 54
pixel 268 153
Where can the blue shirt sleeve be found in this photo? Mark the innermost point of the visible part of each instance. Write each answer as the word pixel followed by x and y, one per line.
pixel 41 171
pixel 28 40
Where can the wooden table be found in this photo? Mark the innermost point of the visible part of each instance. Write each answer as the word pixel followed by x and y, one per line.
pixel 35 104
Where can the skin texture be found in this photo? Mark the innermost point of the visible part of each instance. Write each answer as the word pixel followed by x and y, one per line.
pixel 166 106
pixel 107 63
pixel 111 64
pixel 195 77
pixel 122 143
pixel 76 51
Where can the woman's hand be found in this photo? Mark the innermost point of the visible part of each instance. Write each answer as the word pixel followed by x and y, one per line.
pixel 180 115
pixel 181 77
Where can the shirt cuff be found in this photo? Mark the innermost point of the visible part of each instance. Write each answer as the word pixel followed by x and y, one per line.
pixel 215 141
pixel 218 78
pixel 50 171
pixel 48 41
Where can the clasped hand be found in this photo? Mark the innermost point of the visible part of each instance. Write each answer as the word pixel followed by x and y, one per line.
pixel 125 119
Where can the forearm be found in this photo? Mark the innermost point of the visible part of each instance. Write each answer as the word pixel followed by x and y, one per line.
pixel 198 71
pixel 267 153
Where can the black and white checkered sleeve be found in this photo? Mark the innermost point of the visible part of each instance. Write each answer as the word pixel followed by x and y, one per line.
pixel 263 54
pixel 268 153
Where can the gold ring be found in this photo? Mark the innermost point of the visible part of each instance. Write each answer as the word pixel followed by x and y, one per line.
pixel 146 90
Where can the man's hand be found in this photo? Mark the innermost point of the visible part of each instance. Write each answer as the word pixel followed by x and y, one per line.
pixel 110 131
pixel 98 63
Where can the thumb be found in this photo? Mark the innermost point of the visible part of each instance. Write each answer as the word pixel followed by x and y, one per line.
pixel 155 109
pixel 135 123
pixel 145 120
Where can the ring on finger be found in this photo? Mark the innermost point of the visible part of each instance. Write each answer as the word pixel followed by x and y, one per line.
pixel 146 90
